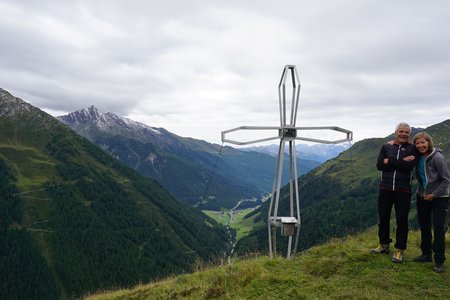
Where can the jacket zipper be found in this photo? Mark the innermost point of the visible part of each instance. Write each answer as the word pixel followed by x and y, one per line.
pixel 395 172
pixel 425 188
pixel 426 177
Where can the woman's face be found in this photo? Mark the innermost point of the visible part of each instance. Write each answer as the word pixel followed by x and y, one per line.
pixel 422 145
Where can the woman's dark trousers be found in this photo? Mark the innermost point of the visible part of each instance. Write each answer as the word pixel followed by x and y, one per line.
pixel 434 213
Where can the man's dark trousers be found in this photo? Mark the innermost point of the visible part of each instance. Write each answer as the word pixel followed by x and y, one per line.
pixel 401 202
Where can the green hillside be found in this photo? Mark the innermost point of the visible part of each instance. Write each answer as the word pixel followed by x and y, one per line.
pixel 339 198
pixel 339 269
pixel 73 219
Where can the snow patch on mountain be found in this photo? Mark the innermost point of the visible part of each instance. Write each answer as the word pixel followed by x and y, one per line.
pixel 106 122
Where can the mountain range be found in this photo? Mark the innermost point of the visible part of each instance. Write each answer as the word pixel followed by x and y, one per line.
pixel 73 219
pixel 314 152
pixel 188 168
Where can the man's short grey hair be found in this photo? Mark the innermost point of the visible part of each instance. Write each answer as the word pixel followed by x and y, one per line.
pixel 402 124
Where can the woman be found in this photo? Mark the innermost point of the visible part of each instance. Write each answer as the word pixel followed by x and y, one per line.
pixel 432 200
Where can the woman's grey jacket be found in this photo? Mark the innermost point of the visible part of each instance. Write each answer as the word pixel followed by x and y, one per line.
pixel 437 176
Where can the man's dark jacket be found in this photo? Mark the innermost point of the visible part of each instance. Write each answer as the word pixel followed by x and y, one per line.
pixel 396 174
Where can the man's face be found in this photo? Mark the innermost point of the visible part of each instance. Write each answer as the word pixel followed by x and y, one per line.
pixel 402 135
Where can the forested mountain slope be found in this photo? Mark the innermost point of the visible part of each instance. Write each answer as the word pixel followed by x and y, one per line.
pixel 73 219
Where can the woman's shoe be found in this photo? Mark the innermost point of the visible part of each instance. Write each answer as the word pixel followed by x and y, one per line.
pixel 439 268
pixel 423 258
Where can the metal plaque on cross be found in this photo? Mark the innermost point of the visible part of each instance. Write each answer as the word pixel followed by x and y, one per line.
pixel 287 132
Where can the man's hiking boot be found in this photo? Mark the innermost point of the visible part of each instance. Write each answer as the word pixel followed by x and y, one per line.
pixel 423 258
pixel 383 248
pixel 439 268
pixel 398 256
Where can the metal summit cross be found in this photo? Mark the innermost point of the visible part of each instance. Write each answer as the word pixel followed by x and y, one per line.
pixel 287 132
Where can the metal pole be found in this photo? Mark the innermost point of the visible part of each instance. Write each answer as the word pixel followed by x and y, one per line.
pixel 297 95
pixel 297 201
pixel 291 198
pixel 272 199
pixel 279 173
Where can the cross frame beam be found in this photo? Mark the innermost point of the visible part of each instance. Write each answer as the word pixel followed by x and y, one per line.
pixel 349 134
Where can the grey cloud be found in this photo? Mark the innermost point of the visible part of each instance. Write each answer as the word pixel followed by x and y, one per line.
pixel 177 63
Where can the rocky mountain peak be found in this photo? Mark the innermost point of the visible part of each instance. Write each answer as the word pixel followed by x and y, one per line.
pixel 10 105
pixel 91 113
pixel 105 122
pixel 82 116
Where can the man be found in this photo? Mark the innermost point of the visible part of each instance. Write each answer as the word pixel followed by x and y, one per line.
pixel 396 161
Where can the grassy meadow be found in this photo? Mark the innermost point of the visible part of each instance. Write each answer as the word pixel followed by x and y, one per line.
pixel 339 269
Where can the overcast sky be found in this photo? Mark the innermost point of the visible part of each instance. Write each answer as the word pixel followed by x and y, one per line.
pixel 197 68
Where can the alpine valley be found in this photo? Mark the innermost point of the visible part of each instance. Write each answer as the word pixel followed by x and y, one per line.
pixel 189 169
pixel 73 219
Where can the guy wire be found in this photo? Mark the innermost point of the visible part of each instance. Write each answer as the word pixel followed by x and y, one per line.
pixel 206 190
pixel 213 171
